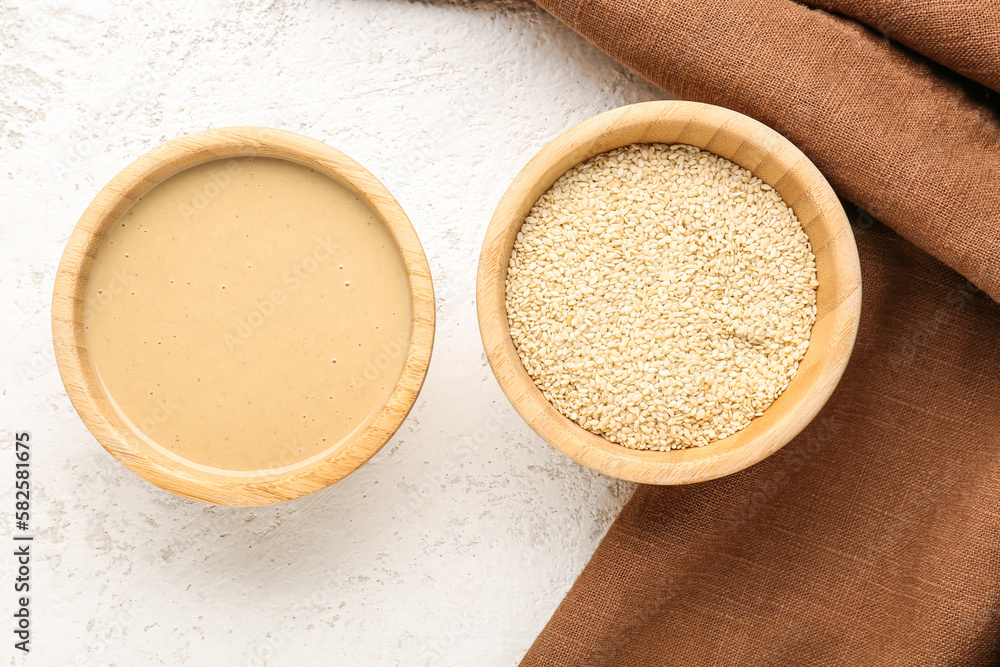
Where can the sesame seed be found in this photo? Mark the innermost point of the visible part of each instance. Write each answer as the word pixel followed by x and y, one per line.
pixel 661 296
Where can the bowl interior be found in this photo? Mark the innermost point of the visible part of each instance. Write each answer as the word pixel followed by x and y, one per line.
pixel 775 161
pixel 99 412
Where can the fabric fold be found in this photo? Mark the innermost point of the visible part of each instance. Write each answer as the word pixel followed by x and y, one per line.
pixel 970 47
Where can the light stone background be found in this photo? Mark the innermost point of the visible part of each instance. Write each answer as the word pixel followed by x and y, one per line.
pixel 399 564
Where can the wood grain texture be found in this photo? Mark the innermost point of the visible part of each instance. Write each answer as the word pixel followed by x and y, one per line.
pixel 86 390
pixel 775 161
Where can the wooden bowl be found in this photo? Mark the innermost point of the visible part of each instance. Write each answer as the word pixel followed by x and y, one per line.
pixel 86 390
pixel 775 161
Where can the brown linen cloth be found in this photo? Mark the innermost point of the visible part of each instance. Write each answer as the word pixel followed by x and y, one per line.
pixel 873 538
pixel 963 35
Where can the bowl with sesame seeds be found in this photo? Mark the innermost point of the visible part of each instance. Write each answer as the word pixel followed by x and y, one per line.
pixel 669 292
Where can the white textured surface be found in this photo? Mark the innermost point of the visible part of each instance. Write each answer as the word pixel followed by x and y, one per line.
pixel 399 563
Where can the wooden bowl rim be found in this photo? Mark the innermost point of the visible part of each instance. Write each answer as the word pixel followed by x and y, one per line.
pixel 722 457
pixel 86 391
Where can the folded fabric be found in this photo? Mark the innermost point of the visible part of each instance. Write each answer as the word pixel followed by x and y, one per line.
pixel 963 35
pixel 873 537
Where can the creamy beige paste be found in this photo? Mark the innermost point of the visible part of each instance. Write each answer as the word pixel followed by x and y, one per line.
pixel 248 314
